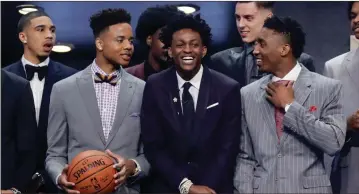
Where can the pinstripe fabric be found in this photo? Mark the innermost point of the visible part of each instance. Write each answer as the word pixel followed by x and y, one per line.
pixel 295 165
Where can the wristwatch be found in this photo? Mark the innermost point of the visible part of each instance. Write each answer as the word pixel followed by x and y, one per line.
pixel 286 107
pixel 15 191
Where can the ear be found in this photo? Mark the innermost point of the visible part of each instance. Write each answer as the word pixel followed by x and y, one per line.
pixel 204 51
pixel 270 15
pixel 22 37
pixel 149 40
pixel 170 52
pixel 99 44
pixel 285 50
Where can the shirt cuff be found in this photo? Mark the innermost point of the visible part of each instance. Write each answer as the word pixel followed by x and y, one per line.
pixel 138 170
pixel 57 181
pixel 185 185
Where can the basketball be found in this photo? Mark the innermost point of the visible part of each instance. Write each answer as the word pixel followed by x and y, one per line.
pixel 92 172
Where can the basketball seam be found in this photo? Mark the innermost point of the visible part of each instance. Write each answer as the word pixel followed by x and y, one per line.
pixel 92 174
pixel 85 158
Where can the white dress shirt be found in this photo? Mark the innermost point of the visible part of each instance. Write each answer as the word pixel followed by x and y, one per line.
pixel 37 86
pixel 292 75
pixel 194 89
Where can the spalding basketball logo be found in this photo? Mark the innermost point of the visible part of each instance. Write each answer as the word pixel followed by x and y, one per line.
pixel 92 172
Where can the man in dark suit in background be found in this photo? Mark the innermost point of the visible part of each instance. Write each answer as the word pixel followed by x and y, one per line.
pixel 148 28
pixel 37 34
pixel 191 116
pixel 18 133
pixel 239 62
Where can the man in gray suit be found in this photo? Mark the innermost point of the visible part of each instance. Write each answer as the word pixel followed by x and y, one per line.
pixel 287 128
pixel 345 172
pixel 239 62
pixel 99 107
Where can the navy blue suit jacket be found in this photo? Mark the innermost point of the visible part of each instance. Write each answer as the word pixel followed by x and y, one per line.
pixel 211 161
pixel 18 132
pixel 56 72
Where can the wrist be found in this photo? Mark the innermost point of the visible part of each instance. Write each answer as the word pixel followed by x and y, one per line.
pixel 131 166
pixel 15 191
pixel 287 104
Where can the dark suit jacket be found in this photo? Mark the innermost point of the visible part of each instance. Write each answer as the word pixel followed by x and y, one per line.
pixel 231 62
pixel 56 72
pixel 137 71
pixel 211 161
pixel 18 132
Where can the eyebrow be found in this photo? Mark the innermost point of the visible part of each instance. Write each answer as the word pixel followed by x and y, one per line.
pixel 123 37
pixel 43 26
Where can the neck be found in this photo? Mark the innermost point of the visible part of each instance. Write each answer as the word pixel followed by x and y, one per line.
pixel 153 62
pixel 28 55
pixel 105 65
pixel 188 75
pixel 284 68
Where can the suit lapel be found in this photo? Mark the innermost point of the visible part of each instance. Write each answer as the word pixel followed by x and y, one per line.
pixel 202 102
pixel 50 80
pixel 352 66
pixel 173 101
pixel 127 89
pixel 87 91
pixel 19 69
pixel 267 109
pixel 301 91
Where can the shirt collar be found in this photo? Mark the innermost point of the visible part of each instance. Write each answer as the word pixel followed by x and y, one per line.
pixel 42 64
pixel 195 81
pixel 291 76
pixel 96 69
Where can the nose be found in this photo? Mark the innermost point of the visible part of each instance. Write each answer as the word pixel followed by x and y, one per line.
pixel 256 50
pixel 187 49
pixel 50 34
pixel 241 23
pixel 128 45
pixel 356 19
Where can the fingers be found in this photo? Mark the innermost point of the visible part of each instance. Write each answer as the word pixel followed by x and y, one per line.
pixel 272 86
pixel 67 186
pixel 270 91
pixel 65 169
pixel 114 156
pixel 290 84
pixel 211 190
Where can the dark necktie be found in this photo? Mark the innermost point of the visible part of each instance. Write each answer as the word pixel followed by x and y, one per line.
pixel 279 114
pixel 188 107
pixel 31 70
pixel 110 79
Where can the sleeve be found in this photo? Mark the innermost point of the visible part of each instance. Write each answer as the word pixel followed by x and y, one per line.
pixel 326 132
pixel 153 137
pixel 57 136
pixel 26 129
pixel 243 177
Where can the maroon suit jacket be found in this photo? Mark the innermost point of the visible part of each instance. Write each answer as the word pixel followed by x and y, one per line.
pixel 137 71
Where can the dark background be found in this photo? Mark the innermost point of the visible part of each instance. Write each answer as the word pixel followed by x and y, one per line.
pixel 325 23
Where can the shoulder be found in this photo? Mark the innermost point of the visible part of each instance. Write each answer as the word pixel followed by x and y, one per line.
pixel 336 61
pixel 64 68
pixel 227 52
pixel 14 79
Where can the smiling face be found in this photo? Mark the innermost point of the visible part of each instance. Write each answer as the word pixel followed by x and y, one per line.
pixel 116 44
pixel 269 50
pixel 354 19
pixel 250 19
pixel 187 50
pixel 39 37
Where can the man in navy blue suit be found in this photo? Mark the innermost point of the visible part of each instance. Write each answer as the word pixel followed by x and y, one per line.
pixel 37 34
pixel 18 134
pixel 191 116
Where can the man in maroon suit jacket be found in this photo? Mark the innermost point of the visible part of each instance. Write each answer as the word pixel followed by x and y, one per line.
pixel 148 28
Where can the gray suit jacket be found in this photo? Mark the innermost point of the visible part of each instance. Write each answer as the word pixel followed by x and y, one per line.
pixel 295 165
pixel 75 123
pixel 346 69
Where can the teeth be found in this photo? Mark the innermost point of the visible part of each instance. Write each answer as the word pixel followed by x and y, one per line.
pixel 187 58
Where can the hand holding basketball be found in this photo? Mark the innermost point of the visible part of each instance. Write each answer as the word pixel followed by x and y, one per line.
pixel 64 184
pixel 120 176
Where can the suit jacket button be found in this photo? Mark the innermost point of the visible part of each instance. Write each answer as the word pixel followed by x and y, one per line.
pixel 279 155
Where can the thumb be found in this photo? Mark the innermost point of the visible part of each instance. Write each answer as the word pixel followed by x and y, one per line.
pixel 112 155
pixel 290 84
pixel 66 168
